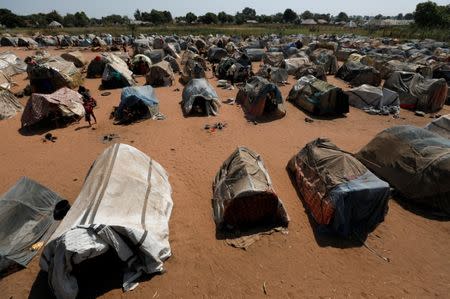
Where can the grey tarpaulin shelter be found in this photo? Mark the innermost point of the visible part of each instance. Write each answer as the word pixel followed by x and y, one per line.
pixel 26 218
pixel 325 58
pixel 76 57
pixel 357 74
pixel 200 97
pixel 374 100
pixel 243 195
pixel 124 206
pixel 318 97
pixel 11 65
pixel 215 54
pixel 259 97
pixel 415 161
pixel 9 104
pixel 416 92
pixel 160 74
pixel 339 191
pixel 440 126
pixel 117 74
pixel 273 74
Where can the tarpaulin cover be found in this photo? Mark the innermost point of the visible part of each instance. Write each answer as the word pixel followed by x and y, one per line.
pixel 243 195
pixel 76 57
pixel 215 54
pixel 368 97
pixel 52 74
pixel 11 65
pixel 293 64
pixel 260 97
pixel 440 126
pixel 396 65
pixel 124 206
pixel 9 104
pixel 339 190
pixel 26 218
pixel 416 92
pixel 414 161
pixel 5 81
pixel 357 74
pixel 117 74
pixel 273 58
pixel 200 92
pixel 311 69
pixel 230 69
pixel 160 74
pixel 64 101
pixel 273 74
pixel 255 54
pixel 173 63
pixel 318 97
pixel 132 96
pixel 325 58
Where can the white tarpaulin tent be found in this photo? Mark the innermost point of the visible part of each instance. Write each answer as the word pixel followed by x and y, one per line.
pixel 125 206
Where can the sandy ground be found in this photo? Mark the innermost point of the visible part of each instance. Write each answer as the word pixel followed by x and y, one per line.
pixel 300 264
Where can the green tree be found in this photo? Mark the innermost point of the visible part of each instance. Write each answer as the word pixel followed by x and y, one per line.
pixel 53 16
pixel 137 15
pixel 209 18
pixel 289 16
pixel 428 14
pixel 399 16
pixel 307 15
pixel 10 20
pixel 190 17
pixel 249 13
pixel 409 16
pixel 342 17
pixel 82 20
pixel 378 17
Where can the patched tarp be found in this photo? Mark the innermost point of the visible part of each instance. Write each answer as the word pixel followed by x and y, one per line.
pixel 274 74
pixel 416 92
pixel 230 69
pixel 338 190
pixel 26 218
pixel 243 194
pixel 260 97
pixel 200 97
pixel 5 81
pixel 11 65
pixel 76 57
pixel 124 206
pixel 273 58
pixel 117 74
pixel 9 104
pixel 440 126
pixel 52 74
pixel 139 99
pixel 64 102
pixel 358 74
pixel 293 64
pixel 192 69
pixel 215 54
pixel 415 161
pixel 318 97
pixel 374 100
pixel 255 54
pixel 160 74
pixel 141 64
pixel 325 58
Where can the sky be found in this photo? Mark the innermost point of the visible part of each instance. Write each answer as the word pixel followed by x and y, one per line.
pixel 99 8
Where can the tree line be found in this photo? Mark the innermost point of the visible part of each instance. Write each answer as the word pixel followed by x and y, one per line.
pixel 427 14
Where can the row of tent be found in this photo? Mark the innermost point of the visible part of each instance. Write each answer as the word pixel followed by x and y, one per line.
pixel 344 193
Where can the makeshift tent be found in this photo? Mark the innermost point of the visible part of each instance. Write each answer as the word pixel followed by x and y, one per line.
pixel 11 65
pixel 318 97
pixel 293 64
pixel 5 81
pixel 63 103
pixel 416 92
pixel 337 189
pixel 255 54
pixel 325 58
pixel 230 69
pixel 374 100
pixel 215 54
pixel 8 41
pixel 137 102
pixel 117 74
pixel 273 74
pixel 192 69
pixel 27 42
pixel 259 97
pixel 343 54
pixel 396 65
pixel 200 97
pixel 97 65
pixel 155 55
pixel 415 161
pixel 160 74
pixel 52 74
pixel 243 195
pixel 124 206
pixel 440 126
pixel 9 104
pixel 55 24
pixel 358 74
pixel 27 213
pixel 310 69
pixel 76 57
pixel 140 64
pixel 173 63
pixel 273 58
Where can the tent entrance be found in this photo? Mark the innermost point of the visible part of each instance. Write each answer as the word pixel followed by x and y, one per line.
pixel 270 105
pixel 199 106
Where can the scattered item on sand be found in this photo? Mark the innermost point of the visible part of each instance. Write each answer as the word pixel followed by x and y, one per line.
pixel 229 101
pixel 105 94
pixel 309 120
pixel 49 137
pixel 216 126
pixel 440 125
pixel 110 137
pixel 419 113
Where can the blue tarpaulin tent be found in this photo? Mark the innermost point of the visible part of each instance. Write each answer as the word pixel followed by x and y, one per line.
pixel 140 101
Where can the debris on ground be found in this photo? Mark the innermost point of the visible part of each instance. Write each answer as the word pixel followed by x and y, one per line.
pixel 105 94
pixel 435 115
pixel 229 101
pixel 109 137
pixel 49 137
pixel 20 94
pixel 255 122
pixel 216 126
pixel 420 113
pixel 309 120
pixel 176 89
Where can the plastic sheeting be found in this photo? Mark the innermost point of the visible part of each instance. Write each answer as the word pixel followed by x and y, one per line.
pixel 414 161
pixel 416 92
pixel 259 97
pixel 124 206
pixel 136 95
pixel 337 189
pixel 318 97
pixel 440 126
pixel 160 74
pixel 26 218
pixel 76 57
pixel 374 100
pixel 199 93
pixel 11 65
pixel 243 195
pixel 117 74
pixel 325 58
pixel 358 74
pixel 9 104
pixel 293 64
pixel 273 74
